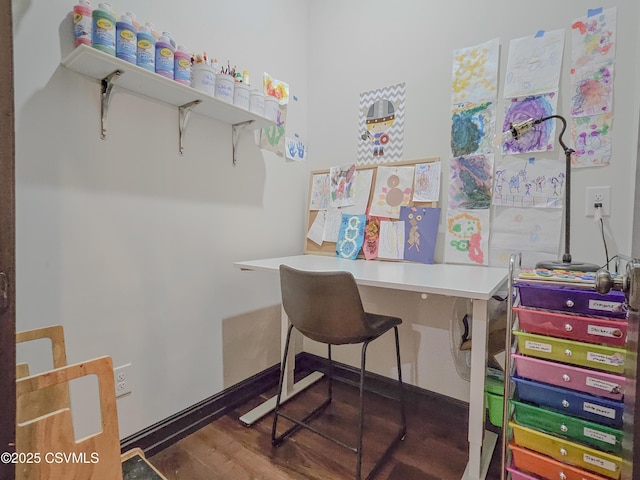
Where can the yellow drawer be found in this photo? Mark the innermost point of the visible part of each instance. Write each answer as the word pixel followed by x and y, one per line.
pixel 567 452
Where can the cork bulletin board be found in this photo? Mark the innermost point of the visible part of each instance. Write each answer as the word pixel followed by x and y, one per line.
pixel 373 202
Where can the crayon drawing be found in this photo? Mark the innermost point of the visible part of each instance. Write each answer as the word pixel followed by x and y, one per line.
pixel 534 232
pixel 534 64
pixel 592 140
pixel 473 127
pixel 394 186
pixel 470 182
pixel 362 186
pixel 594 38
pixel 420 233
pixel 467 237
pixel 341 183
pixel 533 182
pixel 391 245
pixel 372 237
pixel 320 192
pixel 381 125
pixel 592 88
pixel 541 137
pixel 351 236
pixel 475 73
pixel 275 88
pixel 273 138
pixel 426 186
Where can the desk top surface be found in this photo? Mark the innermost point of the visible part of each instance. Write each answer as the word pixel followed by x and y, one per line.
pixel 466 281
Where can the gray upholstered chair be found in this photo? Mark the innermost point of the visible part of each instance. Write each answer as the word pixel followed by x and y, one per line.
pixel 326 307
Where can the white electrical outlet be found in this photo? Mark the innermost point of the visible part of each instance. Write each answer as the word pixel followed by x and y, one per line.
pixel 598 195
pixel 122 379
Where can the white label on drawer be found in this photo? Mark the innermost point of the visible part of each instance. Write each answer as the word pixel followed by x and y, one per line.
pixel 605 306
pixel 611 332
pixel 609 387
pixel 599 410
pixel 599 462
pixel 601 436
pixel 540 347
pixel 616 359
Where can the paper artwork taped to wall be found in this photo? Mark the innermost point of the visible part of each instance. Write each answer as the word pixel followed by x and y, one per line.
pixel 533 182
pixel 475 73
pixel 541 137
pixel 534 232
pixel 470 182
pixel 381 125
pixel 592 88
pixel 426 185
pixel 295 149
pixel 473 126
pixel 273 138
pixel 275 88
pixel 362 186
pixel 592 140
pixel 534 64
pixel 394 186
pixel 316 230
pixel 320 191
pixel 341 184
pixel 467 237
pixel 372 237
pixel 594 37
pixel 420 233
pixel 391 244
pixel 351 236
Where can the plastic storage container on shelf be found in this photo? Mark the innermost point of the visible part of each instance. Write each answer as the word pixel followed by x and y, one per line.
pixel 182 66
pixel 82 22
pixel 544 467
pixel 595 409
pixel 164 56
pixel 126 39
pixel 584 380
pixel 571 299
pixel 494 394
pixel 586 458
pixel 146 49
pixel 600 357
pixel 575 429
pixel 591 329
pixel 103 33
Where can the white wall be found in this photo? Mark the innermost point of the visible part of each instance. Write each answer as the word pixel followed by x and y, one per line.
pixel 130 246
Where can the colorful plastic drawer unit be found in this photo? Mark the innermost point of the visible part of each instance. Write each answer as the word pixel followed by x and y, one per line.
pixel 595 409
pixel 546 467
pixel 572 428
pixel 584 380
pixel 600 357
pixel 573 327
pixel 568 452
pixel 571 299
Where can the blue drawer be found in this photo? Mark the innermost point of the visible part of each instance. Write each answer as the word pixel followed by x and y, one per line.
pixel 595 409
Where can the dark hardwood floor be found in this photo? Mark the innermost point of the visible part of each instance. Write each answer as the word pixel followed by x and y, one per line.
pixel 435 446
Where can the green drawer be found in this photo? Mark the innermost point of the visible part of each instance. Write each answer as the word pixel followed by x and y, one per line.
pixel 599 357
pixel 599 436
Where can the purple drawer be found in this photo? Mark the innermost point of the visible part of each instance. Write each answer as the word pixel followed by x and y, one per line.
pixel 592 382
pixel 571 299
pixel 590 329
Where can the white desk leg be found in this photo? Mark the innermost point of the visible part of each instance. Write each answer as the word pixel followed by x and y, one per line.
pixel 289 388
pixel 479 453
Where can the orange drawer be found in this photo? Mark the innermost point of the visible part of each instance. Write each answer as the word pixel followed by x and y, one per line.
pixel 547 467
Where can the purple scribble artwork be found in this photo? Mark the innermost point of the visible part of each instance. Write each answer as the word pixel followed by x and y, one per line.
pixel 540 138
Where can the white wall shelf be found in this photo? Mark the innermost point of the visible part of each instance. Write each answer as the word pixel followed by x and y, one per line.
pixel 113 72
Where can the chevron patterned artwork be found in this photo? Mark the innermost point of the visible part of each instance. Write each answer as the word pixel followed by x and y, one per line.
pixel 381 125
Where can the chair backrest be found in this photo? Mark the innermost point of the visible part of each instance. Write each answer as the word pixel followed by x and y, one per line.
pixel 95 457
pixel 324 306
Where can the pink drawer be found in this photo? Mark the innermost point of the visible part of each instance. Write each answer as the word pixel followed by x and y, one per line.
pixel 518 475
pixel 573 327
pixel 583 380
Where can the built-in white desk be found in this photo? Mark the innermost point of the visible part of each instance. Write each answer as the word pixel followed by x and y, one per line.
pixel 477 283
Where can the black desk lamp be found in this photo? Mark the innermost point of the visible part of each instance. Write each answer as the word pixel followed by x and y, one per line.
pixel 521 128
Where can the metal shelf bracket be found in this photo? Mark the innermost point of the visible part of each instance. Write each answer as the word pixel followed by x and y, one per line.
pixel 105 97
pixel 183 117
pixel 236 130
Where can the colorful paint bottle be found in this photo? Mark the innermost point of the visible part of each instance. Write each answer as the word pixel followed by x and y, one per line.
pixel 82 22
pixel 164 56
pixel 182 66
pixel 146 51
pixel 103 34
pixel 126 39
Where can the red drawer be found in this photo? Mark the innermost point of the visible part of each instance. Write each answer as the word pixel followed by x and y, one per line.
pixel 547 467
pixel 584 380
pixel 573 327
